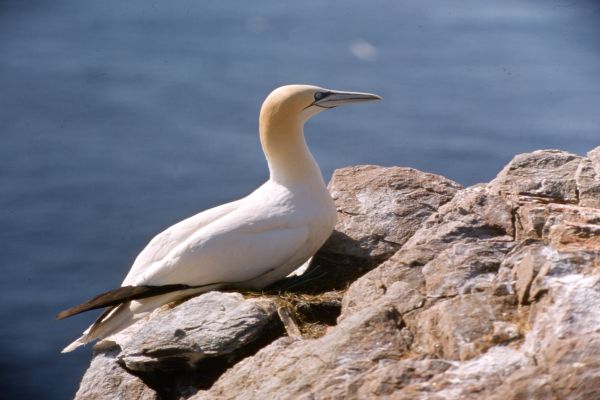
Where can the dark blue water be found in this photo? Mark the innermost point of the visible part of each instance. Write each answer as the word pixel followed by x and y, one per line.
pixel 119 118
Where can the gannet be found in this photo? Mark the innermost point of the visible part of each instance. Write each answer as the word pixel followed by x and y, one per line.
pixel 251 242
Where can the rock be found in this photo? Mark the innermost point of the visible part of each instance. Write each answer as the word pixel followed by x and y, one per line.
pixel 478 378
pixel 464 267
pixel 176 351
pixel 379 209
pixel 459 328
pixel 467 238
pixel 211 325
pixel 563 340
pixel 588 180
pixel 386 380
pixel 545 174
pixel 492 292
pixel 528 267
pixel 105 379
pixel 335 364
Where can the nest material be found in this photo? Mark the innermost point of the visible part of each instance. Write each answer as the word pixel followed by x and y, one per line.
pixel 304 315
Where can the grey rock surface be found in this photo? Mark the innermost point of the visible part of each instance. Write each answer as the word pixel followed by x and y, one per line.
pixel 489 292
pixel 475 226
pixel 210 325
pixel 331 365
pixel 546 174
pixel 177 350
pixel 379 209
pixel 105 379
pixel 588 179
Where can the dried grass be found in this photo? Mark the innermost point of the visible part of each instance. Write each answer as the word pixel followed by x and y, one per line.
pixel 311 313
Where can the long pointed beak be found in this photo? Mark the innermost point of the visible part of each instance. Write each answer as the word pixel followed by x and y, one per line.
pixel 334 98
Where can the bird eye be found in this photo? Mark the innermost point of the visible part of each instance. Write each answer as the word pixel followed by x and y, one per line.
pixel 320 95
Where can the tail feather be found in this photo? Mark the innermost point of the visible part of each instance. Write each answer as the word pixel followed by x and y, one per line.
pixel 91 333
pixel 120 295
pixel 119 317
pixel 77 343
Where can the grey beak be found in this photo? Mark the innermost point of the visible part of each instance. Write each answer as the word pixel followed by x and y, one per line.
pixel 335 98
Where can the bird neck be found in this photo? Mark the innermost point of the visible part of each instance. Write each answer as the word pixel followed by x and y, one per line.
pixel 290 161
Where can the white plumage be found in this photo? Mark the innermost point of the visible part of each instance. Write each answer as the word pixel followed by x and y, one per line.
pixel 251 242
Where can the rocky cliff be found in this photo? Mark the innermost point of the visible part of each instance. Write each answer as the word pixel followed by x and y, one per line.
pixel 425 290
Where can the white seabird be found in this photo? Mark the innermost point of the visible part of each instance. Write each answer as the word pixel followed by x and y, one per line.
pixel 251 242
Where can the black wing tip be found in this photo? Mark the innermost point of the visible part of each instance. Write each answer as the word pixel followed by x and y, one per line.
pixel 62 315
pixel 119 296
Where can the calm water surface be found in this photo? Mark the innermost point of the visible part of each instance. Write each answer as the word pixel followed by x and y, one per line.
pixel 119 118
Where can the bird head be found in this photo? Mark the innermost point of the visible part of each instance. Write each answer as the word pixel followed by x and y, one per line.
pixel 282 117
pixel 305 101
